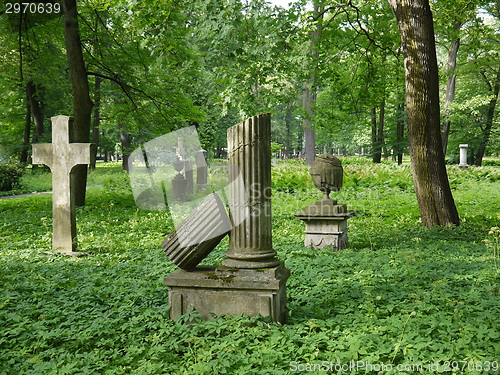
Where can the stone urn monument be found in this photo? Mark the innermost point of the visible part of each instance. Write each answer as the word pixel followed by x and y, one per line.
pixel 326 220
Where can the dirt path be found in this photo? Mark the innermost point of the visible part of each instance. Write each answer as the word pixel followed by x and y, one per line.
pixel 25 195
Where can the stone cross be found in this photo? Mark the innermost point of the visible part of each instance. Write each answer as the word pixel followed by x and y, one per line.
pixel 61 157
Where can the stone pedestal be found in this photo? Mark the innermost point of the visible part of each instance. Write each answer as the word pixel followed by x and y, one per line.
pixel 222 290
pixel 326 225
pixel 179 187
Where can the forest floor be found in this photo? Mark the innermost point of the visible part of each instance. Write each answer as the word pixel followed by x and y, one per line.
pixel 402 299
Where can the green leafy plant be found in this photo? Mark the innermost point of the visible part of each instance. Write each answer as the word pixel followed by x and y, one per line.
pixel 493 242
pixel 400 294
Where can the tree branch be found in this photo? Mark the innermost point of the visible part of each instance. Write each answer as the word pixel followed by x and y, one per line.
pixel 322 13
pixel 366 32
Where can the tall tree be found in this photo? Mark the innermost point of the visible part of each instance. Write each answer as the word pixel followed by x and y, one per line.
pixel 400 131
pixel 451 16
pixel 451 84
pixel 82 105
pixel 27 132
pixel 36 111
pixel 96 120
pixel 493 85
pixel 435 200
pixel 309 93
pixel 494 88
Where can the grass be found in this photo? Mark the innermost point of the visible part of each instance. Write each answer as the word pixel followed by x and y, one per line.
pixel 400 295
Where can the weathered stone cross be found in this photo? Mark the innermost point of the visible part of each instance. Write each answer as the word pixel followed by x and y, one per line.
pixel 62 156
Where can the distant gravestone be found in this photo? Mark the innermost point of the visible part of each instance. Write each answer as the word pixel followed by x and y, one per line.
pixel 188 173
pixel 179 150
pixel 61 156
pixel 201 171
pixel 463 156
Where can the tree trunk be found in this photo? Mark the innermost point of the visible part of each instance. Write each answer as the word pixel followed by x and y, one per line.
pixel 288 124
pixel 27 132
pixel 435 201
pixel 400 132
pixel 309 94
pixel 380 131
pixel 489 121
pixel 450 86
pixel 82 105
pixel 308 100
pixel 97 119
pixel 376 156
pixel 105 149
pixel 126 148
pixel 309 131
pixel 36 111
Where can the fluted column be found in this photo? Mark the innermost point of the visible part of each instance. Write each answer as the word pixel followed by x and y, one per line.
pixel 249 154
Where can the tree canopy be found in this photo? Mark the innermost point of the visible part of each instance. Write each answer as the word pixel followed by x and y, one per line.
pixel 331 73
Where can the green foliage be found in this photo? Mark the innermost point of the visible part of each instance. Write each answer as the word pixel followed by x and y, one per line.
pixel 491 162
pixel 10 175
pixel 400 294
pixel 493 242
pixel 290 178
pixel 167 64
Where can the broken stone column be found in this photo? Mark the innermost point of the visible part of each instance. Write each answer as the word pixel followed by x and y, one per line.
pixel 249 156
pixel 62 156
pixel 251 280
pixel 199 233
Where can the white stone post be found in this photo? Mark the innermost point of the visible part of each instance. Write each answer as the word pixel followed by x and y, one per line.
pixel 463 156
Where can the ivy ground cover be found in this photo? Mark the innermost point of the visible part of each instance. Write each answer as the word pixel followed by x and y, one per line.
pixel 401 300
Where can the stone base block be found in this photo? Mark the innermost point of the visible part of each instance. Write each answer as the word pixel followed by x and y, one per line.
pixel 69 253
pixel 320 241
pixel 326 230
pixel 231 291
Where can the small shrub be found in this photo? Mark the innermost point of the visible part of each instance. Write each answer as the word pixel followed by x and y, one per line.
pixel 10 174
